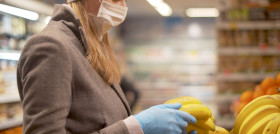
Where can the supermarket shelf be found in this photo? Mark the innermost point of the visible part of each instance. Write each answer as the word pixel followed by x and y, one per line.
pixel 248 25
pixel 10 55
pixel 225 97
pixel 248 51
pixel 201 61
pixel 244 76
pixel 9 97
pixel 11 123
pixel 13 36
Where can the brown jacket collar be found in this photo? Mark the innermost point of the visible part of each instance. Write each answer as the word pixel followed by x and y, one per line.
pixel 67 16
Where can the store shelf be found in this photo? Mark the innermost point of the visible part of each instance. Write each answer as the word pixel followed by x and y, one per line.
pixel 11 123
pixel 249 25
pixel 225 97
pixel 205 60
pixel 13 36
pixel 10 54
pixel 244 76
pixel 9 97
pixel 248 51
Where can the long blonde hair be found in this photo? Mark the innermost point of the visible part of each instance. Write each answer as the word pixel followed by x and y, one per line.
pixel 100 55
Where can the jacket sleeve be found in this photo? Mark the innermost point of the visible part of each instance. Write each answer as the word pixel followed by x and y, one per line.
pixel 116 128
pixel 44 75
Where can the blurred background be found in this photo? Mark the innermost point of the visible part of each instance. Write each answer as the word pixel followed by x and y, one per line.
pixel 210 49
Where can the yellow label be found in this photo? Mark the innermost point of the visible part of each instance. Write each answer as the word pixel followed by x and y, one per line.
pixel 233 25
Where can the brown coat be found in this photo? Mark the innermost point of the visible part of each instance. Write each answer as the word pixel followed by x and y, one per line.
pixel 60 92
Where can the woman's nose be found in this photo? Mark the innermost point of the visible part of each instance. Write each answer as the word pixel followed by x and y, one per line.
pixel 118 2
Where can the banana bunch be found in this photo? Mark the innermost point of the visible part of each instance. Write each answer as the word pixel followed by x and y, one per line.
pixel 219 130
pixel 260 116
pixel 205 120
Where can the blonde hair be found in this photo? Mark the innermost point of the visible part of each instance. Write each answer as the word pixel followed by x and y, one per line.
pixel 99 54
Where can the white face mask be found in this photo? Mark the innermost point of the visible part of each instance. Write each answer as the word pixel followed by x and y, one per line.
pixel 109 15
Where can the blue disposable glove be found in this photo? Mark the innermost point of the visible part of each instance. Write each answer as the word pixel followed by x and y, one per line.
pixel 165 119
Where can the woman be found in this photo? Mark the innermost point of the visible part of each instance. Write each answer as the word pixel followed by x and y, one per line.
pixel 68 78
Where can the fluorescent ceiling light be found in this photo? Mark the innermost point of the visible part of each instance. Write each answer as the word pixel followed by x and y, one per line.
pixel 155 3
pixel 19 12
pixel 202 12
pixel 10 55
pixel 162 8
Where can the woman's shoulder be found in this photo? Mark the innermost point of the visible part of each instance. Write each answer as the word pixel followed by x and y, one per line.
pixel 54 35
pixel 53 32
pixel 49 43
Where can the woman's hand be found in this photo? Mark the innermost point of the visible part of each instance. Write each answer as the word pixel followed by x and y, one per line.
pixel 165 119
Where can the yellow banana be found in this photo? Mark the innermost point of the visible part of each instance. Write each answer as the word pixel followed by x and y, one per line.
pixel 205 124
pixel 184 100
pixel 212 118
pixel 249 108
pixel 277 96
pixel 278 131
pixel 257 115
pixel 200 112
pixel 257 127
pixel 191 127
pixel 272 126
pixel 219 130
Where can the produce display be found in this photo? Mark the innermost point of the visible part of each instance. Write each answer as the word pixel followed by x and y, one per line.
pixel 205 120
pixel 269 86
pixel 260 116
pixel 258 110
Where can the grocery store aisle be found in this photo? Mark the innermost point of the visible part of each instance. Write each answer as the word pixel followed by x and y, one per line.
pixel 168 53
pixel 171 57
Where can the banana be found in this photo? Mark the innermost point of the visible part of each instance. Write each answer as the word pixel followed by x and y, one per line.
pixel 257 127
pixel 249 108
pixel 192 106
pixel 184 100
pixel 200 112
pixel 191 127
pixel 276 96
pixel 278 131
pixel 257 115
pixel 205 124
pixel 212 118
pixel 219 130
pixel 272 126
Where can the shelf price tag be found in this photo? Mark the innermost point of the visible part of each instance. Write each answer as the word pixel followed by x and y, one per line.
pixel 264 46
pixel 233 25
pixel 278 46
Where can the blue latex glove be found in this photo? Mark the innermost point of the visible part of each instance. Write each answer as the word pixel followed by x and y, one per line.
pixel 165 119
